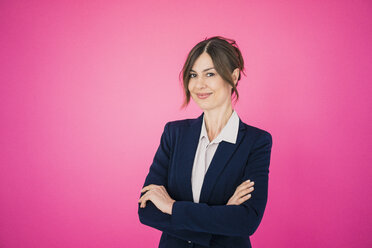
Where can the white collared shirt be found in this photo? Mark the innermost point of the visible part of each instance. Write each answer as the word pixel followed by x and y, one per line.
pixel 206 150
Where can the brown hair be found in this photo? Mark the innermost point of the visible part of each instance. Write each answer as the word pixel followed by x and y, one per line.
pixel 226 57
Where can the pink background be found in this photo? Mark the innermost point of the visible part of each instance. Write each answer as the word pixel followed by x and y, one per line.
pixel 87 87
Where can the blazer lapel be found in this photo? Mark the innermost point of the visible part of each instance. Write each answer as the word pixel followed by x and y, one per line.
pixel 188 145
pixel 220 159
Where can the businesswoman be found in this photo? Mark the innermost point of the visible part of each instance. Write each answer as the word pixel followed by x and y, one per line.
pixel 207 185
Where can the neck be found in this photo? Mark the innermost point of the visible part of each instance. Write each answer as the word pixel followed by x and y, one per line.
pixel 216 119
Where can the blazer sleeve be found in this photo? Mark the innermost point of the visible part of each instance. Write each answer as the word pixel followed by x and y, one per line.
pixel 158 174
pixel 232 220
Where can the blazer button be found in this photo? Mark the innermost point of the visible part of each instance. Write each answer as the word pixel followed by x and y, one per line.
pixel 189 242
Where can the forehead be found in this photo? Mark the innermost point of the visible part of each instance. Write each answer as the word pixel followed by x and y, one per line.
pixel 204 61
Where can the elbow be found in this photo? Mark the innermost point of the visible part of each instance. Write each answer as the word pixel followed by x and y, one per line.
pixel 251 230
pixel 252 221
pixel 144 222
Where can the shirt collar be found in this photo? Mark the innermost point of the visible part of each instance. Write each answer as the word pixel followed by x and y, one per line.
pixel 229 132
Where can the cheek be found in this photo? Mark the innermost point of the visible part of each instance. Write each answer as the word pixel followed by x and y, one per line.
pixel 223 91
pixel 191 86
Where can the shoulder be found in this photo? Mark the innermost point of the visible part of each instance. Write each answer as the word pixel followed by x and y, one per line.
pixel 176 124
pixel 257 133
pixel 176 129
pixel 256 130
pixel 182 124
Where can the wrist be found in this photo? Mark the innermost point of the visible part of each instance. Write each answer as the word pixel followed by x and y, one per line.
pixel 171 207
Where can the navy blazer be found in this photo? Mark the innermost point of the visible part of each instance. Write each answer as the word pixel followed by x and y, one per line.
pixel 209 223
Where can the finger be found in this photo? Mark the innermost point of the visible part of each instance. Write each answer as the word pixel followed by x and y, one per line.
pixel 244 198
pixel 148 187
pixel 248 190
pixel 244 187
pixel 245 184
pixel 244 192
pixel 248 184
pixel 151 186
pixel 141 198
pixel 241 186
pixel 246 181
pixel 144 200
pixel 144 203
pixel 146 195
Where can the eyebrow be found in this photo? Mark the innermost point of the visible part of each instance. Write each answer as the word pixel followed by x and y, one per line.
pixel 204 69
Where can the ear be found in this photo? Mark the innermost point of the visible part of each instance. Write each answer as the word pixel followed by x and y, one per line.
pixel 235 75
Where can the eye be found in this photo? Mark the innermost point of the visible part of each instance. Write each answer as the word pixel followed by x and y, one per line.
pixel 192 75
pixel 212 74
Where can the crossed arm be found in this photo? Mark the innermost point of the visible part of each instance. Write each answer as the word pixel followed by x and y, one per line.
pixel 198 221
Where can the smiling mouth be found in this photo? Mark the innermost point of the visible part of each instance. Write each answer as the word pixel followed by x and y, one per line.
pixel 204 95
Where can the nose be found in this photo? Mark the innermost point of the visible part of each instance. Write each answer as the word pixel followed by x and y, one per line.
pixel 200 83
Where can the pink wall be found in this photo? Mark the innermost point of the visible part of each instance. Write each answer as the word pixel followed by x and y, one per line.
pixel 87 86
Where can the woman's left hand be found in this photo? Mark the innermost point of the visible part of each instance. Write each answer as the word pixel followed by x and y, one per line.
pixel 159 196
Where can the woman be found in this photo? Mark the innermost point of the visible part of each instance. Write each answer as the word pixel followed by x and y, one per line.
pixel 199 189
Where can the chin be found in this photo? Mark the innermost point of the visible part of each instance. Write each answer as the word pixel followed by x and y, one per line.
pixel 205 107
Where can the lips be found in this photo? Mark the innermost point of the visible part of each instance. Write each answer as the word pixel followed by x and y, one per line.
pixel 203 95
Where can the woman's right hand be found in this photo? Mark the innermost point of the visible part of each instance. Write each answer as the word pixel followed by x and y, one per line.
pixel 242 193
